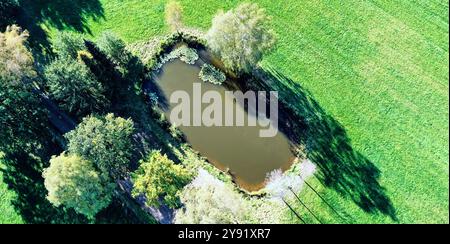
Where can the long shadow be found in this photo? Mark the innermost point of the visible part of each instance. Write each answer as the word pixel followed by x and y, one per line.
pixel 341 167
pixel 59 14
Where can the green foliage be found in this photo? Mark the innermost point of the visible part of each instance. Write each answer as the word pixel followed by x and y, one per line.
pixel 106 141
pixel 110 44
pixel 68 44
pixel 74 87
pixel 159 177
pixel 174 15
pixel 105 70
pixel 184 53
pixel 152 52
pixel 130 67
pixel 22 119
pixel 9 12
pixel 211 74
pixel 16 61
pixel 241 37
pixel 73 182
pixel 209 201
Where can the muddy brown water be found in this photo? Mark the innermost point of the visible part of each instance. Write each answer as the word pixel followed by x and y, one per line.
pixel 236 149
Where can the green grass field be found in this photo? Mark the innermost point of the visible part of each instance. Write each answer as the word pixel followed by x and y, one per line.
pixel 7 213
pixel 379 67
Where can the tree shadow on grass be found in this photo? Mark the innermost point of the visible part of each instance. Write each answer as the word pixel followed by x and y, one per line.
pixel 58 14
pixel 341 167
pixel 23 175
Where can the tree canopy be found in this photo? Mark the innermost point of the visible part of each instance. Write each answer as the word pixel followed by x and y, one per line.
pixel 241 37
pixel 159 177
pixel 106 141
pixel 73 182
pixel 114 47
pixel 68 44
pixel 207 200
pixel 74 87
pixel 22 119
pixel 16 61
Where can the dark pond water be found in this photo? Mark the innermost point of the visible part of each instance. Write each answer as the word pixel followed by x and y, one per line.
pixel 239 149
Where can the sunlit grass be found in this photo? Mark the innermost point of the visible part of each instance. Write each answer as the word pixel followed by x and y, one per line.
pixel 8 215
pixel 380 68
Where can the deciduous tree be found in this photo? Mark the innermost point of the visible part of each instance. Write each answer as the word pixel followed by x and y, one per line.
pixel 241 37
pixel 209 201
pixel 73 182
pixel 159 177
pixel 106 141
pixel 16 61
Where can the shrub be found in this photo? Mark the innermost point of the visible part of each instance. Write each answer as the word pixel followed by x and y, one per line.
pixel 241 37
pixel 159 177
pixel 68 44
pixel 185 54
pixel 151 52
pixel 74 87
pixel 211 74
pixel 175 131
pixel 73 182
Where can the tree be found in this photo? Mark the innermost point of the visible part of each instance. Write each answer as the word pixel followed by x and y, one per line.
pixel 173 13
pixel 104 69
pixel 22 119
pixel 73 182
pixel 106 141
pixel 110 44
pixel 16 61
pixel 209 201
pixel 74 87
pixel 68 44
pixel 159 177
pixel 241 37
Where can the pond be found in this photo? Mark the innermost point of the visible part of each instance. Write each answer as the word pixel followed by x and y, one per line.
pixel 238 150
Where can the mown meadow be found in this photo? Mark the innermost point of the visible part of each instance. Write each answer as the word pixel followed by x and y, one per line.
pixel 377 69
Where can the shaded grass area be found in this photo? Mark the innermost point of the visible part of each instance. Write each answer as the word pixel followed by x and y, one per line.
pixel 342 167
pixel 39 16
pixel 378 69
pixel 8 213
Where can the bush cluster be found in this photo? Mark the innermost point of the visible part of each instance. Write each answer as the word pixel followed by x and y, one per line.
pixel 151 52
pixel 211 74
pixel 184 53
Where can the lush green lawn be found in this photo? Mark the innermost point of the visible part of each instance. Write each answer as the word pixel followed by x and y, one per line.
pixel 379 67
